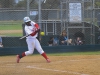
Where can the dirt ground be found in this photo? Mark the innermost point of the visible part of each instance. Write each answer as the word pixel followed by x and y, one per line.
pixel 60 65
pixel 10 31
pixel 2 32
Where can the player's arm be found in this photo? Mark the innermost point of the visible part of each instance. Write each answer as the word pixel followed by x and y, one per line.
pixel 37 29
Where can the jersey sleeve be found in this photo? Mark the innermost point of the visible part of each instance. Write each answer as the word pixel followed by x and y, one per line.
pixel 33 29
pixel 28 31
pixel 36 30
pixel 37 26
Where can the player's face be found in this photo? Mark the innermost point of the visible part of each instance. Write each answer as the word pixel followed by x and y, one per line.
pixel 28 23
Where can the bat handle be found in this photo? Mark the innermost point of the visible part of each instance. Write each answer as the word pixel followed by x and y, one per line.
pixel 27 35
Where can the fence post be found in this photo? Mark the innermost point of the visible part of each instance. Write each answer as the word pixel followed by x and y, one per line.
pixel 28 9
pixel 39 13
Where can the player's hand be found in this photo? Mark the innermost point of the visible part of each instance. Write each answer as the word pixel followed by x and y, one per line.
pixel 36 29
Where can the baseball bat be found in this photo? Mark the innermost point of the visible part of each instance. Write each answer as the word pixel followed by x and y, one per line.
pixel 23 37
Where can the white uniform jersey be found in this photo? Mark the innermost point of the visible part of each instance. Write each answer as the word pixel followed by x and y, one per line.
pixel 30 29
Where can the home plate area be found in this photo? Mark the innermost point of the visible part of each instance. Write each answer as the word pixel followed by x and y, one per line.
pixel 59 65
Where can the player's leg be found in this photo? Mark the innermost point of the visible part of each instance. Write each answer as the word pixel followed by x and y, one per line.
pixel 40 50
pixel 30 51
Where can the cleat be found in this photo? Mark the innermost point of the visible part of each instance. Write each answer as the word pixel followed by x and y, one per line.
pixel 48 60
pixel 18 59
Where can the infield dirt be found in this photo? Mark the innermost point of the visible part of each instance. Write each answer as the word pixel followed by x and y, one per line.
pixel 60 65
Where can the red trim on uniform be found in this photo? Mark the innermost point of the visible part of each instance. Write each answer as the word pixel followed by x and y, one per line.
pixel 37 30
pixel 23 54
pixel 37 26
pixel 32 34
pixel 44 55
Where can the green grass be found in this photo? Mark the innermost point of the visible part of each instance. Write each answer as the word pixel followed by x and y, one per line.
pixel 10 27
pixel 11 22
pixel 76 53
pixel 14 35
pixel 14 25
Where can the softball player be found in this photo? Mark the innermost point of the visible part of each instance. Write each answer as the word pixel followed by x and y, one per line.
pixel 32 29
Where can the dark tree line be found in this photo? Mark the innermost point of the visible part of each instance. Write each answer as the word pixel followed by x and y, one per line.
pixel 6 3
pixel 50 4
pixel 33 4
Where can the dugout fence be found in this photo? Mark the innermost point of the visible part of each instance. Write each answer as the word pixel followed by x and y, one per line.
pixel 55 15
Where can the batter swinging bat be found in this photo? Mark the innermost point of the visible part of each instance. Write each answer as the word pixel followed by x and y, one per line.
pixel 23 37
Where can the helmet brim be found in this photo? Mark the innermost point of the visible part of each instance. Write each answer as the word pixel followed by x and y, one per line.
pixel 28 21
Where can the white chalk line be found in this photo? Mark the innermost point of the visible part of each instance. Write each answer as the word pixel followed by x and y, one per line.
pixel 55 70
pixel 37 67
pixel 63 71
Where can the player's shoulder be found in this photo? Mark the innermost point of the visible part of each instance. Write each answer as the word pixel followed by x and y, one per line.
pixel 32 22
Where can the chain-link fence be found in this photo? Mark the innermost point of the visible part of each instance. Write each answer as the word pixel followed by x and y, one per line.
pixel 53 16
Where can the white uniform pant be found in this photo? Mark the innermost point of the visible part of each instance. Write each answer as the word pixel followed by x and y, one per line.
pixel 33 44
